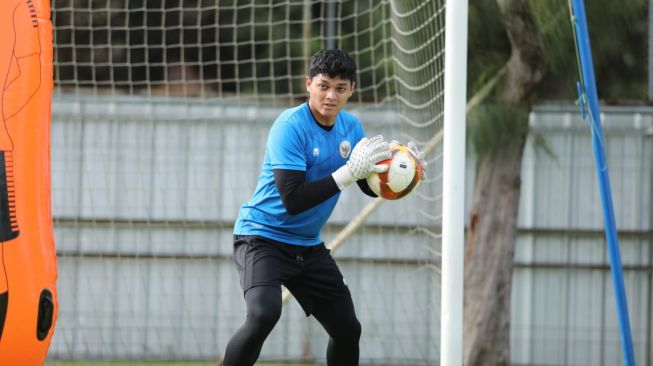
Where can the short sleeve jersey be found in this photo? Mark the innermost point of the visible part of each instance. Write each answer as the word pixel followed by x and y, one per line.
pixel 296 142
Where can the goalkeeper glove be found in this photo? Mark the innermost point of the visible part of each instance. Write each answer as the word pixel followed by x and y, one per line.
pixel 412 146
pixel 362 161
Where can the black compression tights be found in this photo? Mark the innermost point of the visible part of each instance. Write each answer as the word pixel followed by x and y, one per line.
pixel 263 312
pixel 339 320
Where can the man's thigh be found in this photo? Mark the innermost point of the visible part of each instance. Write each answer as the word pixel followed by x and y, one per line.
pixel 320 280
pixel 260 263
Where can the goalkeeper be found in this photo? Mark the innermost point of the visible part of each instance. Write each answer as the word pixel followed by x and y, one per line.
pixel 308 161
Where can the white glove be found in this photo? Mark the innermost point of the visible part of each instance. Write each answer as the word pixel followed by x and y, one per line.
pixel 362 161
pixel 412 146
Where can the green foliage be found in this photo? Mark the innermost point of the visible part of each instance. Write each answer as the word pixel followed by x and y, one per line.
pixel 495 126
pixel 488 46
pixel 540 143
pixel 618 34
pixel 238 48
pixel 230 47
pixel 618 31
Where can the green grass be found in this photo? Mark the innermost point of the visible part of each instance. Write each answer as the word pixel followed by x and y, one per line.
pixel 129 363
pixel 125 363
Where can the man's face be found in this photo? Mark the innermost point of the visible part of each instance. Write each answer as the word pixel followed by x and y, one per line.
pixel 328 96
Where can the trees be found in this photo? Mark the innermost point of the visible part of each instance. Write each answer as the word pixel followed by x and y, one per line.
pixel 493 223
pixel 532 43
pixel 210 48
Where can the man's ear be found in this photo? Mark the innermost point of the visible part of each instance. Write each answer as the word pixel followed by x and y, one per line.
pixel 353 88
pixel 308 82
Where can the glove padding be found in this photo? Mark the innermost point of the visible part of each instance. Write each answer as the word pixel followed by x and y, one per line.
pixel 366 154
pixel 362 161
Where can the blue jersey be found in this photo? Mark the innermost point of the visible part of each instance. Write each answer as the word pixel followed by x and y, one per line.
pixel 296 142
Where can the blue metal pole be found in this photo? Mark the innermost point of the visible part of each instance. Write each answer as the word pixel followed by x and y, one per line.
pixel 598 143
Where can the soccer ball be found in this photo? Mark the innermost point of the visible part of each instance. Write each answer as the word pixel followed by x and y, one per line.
pixel 404 173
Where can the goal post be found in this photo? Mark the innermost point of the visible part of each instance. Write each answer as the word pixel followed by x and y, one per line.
pixel 160 116
pixel 453 220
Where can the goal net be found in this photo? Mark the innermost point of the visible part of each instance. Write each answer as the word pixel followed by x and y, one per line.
pixel 160 116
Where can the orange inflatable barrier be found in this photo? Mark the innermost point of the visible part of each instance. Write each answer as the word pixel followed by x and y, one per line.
pixel 28 269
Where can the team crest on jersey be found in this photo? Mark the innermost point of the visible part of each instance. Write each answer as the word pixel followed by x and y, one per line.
pixel 345 149
pixel 316 152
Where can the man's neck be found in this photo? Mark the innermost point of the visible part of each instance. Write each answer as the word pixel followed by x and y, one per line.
pixel 326 127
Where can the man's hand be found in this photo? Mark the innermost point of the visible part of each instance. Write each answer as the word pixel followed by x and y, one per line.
pixel 366 154
pixel 362 161
pixel 412 146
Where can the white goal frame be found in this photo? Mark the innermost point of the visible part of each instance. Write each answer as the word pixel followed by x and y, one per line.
pixel 453 191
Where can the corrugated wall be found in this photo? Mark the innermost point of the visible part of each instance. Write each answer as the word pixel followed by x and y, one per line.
pixel 144 197
pixel 143 231
pixel 563 308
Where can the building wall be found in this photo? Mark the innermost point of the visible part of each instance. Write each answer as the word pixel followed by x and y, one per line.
pixel 143 212
pixel 144 198
pixel 564 312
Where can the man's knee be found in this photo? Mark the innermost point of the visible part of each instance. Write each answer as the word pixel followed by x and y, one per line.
pixel 355 329
pixel 349 330
pixel 265 317
pixel 263 311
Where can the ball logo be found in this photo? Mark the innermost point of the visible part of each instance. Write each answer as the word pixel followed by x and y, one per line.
pixel 345 149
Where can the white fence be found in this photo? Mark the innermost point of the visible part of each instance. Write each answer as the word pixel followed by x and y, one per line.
pixel 145 233
pixel 144 197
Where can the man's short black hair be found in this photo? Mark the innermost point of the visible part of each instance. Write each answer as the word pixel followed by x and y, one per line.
pixel 333 63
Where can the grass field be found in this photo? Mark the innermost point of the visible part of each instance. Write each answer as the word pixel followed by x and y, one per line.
pixel 129 363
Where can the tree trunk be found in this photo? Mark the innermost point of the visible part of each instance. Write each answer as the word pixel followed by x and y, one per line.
pixel 493 224
pixel 489 258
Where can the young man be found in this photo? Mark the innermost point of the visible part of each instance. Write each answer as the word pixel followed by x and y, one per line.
pixel 308 161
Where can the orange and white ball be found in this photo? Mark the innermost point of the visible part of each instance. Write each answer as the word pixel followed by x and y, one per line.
pixel 405 172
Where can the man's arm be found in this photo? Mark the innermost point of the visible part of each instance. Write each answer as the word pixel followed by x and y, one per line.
pixel 298 195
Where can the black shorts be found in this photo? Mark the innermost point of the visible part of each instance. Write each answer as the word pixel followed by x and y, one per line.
pixel 308 272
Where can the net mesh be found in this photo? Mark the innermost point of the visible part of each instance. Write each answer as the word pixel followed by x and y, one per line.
pixel 160 117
